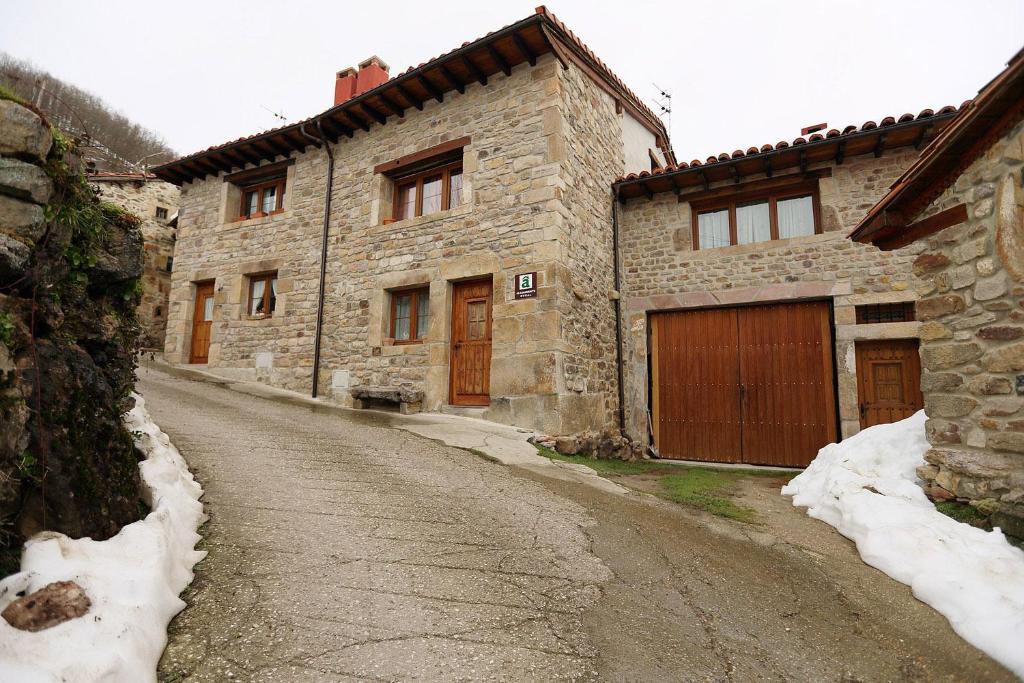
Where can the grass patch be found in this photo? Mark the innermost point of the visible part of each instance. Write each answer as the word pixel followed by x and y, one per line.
pixel 704 488
pixel 604 467
pixel 961 512
pixel 707 490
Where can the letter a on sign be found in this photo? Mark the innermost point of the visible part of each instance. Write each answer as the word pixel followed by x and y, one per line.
pixel 526 285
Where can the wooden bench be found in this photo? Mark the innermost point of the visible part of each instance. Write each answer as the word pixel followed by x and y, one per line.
pixel 408 400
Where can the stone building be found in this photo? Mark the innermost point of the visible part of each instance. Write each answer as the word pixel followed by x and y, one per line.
pixel 753 330
pixel 156 203
pixel 438 238
pixel 961 205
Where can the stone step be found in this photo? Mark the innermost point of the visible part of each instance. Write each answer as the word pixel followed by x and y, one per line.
pixel 464 411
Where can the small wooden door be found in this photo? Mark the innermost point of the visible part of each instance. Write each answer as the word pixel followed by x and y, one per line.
pixel 471 343
pixel 888 380
pixel 202 322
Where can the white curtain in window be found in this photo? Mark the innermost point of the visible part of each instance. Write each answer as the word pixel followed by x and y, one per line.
pixel 257 296
pixel 713 229
pixel 273 296
pixel 402 315
pixel 422 314
pixel 796 217
pixel 753 223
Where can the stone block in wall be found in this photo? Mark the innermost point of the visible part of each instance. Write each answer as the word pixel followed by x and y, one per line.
pixel 26 181
pixel 950 355
pixel 21 219
pixel 22 132
pixel 939 306
pixel 1006 359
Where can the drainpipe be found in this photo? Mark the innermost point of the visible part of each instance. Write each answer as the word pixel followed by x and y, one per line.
pixel 618 311
pixel 323 252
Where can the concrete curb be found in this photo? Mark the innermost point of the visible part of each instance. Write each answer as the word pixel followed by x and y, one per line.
pixel 501 443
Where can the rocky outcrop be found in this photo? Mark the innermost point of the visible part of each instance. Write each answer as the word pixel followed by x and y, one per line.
pixel 69 269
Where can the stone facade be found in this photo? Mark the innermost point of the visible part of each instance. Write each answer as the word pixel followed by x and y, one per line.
pixel 662 271
pixel 972 308
pixel 545 144
pixel 144 196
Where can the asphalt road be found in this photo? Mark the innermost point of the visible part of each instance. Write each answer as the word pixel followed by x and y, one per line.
pixel 341 548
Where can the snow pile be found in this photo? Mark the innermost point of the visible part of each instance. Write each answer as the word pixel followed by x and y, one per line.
pixel 132 579
pixel 866 488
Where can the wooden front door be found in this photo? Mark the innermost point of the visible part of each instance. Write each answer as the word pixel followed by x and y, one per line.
pixel 747 384
pixel 888 380
pixel 202 322
pixel 471 343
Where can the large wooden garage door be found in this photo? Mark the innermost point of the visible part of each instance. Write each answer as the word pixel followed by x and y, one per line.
pixel 746 385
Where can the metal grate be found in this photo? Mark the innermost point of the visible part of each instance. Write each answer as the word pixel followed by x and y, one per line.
pixel 885 313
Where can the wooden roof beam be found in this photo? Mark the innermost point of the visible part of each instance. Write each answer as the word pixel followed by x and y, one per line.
pixel 735 168
pixel 377 116
pixel 803 161
pixel 704 179
pixel 456 83
pixel 430 88
pixel 359 120
pixel 395 107
pixel 925 130
pixel 880 145
pixel 277 149
pixel 473 69
pixel 413 101
pixel 499 59
pixel 768 170
pixel 207 167
pixel 525 49
pixel 840 152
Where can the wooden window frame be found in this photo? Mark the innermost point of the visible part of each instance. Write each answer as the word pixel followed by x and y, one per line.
pixel 266 278
pixel 259 189
pixel 772 196
pixel 416 292
pixel 161 213
pixel 415 180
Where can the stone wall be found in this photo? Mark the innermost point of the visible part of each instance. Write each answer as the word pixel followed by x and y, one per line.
pixel 142 196
pixel 537 174
pixel 69 269
pixel 662 271
pixel 972 289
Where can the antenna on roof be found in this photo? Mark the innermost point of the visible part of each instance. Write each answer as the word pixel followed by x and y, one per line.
pixel 663 103
pixel 282 117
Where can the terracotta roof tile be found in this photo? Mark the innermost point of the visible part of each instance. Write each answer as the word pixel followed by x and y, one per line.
pixel 816 137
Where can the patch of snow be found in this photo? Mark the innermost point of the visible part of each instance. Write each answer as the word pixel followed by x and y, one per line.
pixel 132 579
pixel 866 487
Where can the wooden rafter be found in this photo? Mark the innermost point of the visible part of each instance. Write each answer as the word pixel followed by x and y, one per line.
pixel 473 69
pixel 525 49
pixel 357 119
pixel 376 115
pixel 452 78
pixel 413 101
pixel 880 145
pixel 395 107
pixel 430 88
pixel 499 59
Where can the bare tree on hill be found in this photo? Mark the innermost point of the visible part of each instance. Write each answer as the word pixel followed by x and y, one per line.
pixel 109 139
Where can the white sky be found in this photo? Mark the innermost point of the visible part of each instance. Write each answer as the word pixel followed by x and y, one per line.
pixel 742 73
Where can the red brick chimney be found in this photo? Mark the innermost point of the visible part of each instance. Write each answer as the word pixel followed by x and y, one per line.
pixel 344 86
pixel 372 72
pixel 350 83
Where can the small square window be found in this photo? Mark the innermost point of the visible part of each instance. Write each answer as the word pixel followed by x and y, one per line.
pixel 410 315
pixel 161 213
pixel 262 200
pixel 428 192
pixel 262 294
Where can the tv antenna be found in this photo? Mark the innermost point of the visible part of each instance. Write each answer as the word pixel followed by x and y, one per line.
pixel 663 103
pixel 276 115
